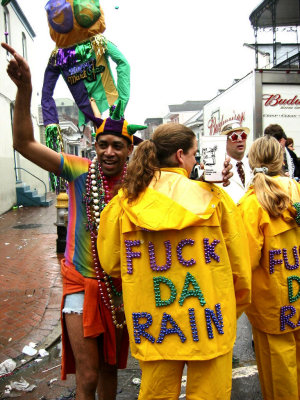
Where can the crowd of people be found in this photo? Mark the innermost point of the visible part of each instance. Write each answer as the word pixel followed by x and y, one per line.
pixel 168 264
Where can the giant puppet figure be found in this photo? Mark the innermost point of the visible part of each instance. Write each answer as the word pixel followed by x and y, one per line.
pixel 82 57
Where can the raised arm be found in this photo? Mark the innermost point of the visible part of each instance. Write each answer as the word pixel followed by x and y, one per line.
pixel 23 137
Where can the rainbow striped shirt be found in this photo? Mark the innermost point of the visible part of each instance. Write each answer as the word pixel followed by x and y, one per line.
pixel 78 250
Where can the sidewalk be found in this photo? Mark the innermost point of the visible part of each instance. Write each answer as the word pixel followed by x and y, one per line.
pixel 30 291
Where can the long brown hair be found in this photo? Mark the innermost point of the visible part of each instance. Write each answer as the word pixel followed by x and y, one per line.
pixel 156 153
pixel 266 152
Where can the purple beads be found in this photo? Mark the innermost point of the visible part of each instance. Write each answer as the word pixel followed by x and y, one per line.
pixel 181 244
pixel 165 331
pixel 209 250
pixel 217 319
pixel 286 261
pixel 285 319
pixel 152 258
pixel 131 254
pixel 140 329
pixel 193 324
pixel 273 262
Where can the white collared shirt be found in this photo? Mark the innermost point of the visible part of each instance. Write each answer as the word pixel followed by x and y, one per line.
pixel 236 189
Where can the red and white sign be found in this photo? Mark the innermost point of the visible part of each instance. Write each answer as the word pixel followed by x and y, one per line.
pixel 281 105
pixel 215 126
pixel 274 100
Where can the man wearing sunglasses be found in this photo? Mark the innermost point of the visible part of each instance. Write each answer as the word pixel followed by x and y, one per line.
pixel 236 147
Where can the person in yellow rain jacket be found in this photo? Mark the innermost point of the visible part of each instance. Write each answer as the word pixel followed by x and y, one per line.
pixel 269 210
pixel 182 252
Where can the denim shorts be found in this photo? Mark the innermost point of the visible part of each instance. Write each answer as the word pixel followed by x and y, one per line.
pixel 74 303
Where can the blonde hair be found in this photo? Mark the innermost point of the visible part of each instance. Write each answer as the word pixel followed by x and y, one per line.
pixel 267 152
pixel 153 154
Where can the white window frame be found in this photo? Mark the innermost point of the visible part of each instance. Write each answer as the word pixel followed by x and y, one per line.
pixel 6 29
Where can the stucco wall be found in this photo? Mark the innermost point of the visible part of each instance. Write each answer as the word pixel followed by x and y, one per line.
pixel 7 97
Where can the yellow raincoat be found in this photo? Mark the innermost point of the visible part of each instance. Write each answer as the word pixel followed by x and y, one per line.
pixel 275 308
pixel 182 253
pixel 274 252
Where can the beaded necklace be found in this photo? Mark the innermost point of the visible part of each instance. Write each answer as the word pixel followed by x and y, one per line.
pixel 97 195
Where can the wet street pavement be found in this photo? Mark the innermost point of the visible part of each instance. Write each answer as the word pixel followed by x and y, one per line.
pixel 30 291
pixel 45 376
pixel 30 295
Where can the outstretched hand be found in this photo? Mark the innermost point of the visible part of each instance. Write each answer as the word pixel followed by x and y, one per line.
pixel 18 68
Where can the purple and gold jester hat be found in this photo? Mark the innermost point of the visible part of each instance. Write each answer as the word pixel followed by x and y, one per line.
pixel 116 125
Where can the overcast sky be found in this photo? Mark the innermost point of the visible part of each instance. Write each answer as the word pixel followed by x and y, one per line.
pixel 177 50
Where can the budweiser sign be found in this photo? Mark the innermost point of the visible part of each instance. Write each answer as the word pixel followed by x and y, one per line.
pixel 216 127
pixel 276 100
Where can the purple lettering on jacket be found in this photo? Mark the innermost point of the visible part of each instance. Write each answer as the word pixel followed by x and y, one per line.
pixel 273 262
pixel 169 331
pixel 131 254
pixel 140 329
pixel 209 250
pixel 180 246
pixel 286 261
pixel 193 324
pixel 152 258
pixel 217 320
pixel 285 319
